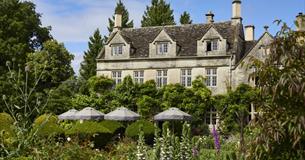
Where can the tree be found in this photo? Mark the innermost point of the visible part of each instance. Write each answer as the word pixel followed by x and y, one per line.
pixel 185 18
pixel 235 110
pixel 88 66
pixel 172 96
pixel 280 128
pixel 20 32
pixel 54 62
pixel 126 23
pixel 60 98
pixel 197 100
pixel 127 93
pixel 158 14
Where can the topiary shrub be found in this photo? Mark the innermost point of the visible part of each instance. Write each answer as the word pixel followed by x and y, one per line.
pixel 132 130
pixel 91 131
pixel 87 127
pixel 47 125
pixel 6 122
pixel 7 133
pixel 112 126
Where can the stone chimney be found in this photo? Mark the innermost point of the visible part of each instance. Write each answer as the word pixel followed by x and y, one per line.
pixel 236 12
pixel 249 33
pixel 210 17
pixel 300 22
pixel 117 22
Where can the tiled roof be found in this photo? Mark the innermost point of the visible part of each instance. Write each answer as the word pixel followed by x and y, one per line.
pixel 185 36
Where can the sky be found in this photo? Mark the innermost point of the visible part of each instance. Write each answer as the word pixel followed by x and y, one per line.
pixel 74 21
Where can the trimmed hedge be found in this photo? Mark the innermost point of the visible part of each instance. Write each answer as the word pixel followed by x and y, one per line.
pixel 87 127
pixel 148 129
pixel 113 126
pixel 47 125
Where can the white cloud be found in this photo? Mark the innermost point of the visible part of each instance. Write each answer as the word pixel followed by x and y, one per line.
pixel 76 20
pixel 78 58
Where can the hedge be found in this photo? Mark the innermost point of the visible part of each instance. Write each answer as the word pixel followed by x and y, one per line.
pixel 47 125
pixel 87 127
pixel 148 129
pixel 113 126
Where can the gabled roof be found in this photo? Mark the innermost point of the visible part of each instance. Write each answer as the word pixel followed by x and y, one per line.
pixel 250 45
pixel 185 36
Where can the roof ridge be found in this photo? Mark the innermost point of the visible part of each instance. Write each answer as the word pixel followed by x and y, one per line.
pixel 172 26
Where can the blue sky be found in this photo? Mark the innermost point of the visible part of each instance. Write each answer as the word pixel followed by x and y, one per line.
pixel 73 21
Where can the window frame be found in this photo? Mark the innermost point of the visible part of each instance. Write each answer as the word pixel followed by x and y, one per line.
pixel 161 78
pixel 161 49
pixel 116 76
pixel 210 117
pixel 138 76
pixel 117 49
pixel 212 45
pixel 211 75
pixel 186 77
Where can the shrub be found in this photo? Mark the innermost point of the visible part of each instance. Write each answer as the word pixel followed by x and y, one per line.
pixel 124 149
pixel 47 125
pixel 6 122
pixel 148 129
pixel 93 131
pixel 212 154
pixel 112 126
pixel 87 127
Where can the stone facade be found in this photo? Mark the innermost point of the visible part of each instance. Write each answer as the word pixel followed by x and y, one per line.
pixel 219 51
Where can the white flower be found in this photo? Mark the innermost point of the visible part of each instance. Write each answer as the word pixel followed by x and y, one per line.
pixel 68 139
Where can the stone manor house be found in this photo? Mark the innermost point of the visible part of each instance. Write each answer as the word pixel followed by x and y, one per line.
pixel 180 53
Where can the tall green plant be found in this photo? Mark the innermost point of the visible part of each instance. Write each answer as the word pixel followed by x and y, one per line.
pixel 157 143
pixel 158 14
pixel 185 145
pixel 88 66
pixel 166 149
pixel 22 114
pixel 185 18
pixel 141 147
pixel 280 129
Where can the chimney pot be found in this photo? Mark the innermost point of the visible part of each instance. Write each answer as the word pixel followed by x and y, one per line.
pixel 249 33
pixel 117 22
pixel 210 17
pixel 236 12
pixel 300 22
pixel 266 28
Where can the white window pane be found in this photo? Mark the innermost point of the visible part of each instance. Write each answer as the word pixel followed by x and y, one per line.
pixel 208 71
pixel 189 72
pixel 189 81
pixel 165 81
pixel 214 81
pixel 214 71
pixel 165 47
pixel 183 72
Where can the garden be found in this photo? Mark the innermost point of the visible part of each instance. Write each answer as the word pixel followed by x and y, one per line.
pixel 37 84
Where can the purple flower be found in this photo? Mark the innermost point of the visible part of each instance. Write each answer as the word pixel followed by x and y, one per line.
pixel 216 139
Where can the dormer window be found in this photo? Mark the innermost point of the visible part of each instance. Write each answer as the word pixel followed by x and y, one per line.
pixel 212 45
pixel 117 49
pixel 162 48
